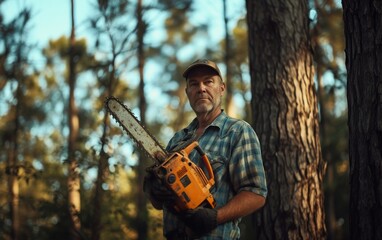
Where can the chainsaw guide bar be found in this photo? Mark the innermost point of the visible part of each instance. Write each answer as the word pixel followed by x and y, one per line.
pixel 127 120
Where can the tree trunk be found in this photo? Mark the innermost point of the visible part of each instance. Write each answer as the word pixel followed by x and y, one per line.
pixel 13 193
pixel 229 104
pixel 73 173
pixel 102 174
pixel 363 31
pixel 103 163
pixel 12 170
pixel 141 201
pixel 285 116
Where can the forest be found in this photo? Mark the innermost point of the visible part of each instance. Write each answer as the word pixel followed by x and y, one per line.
pixel 305 74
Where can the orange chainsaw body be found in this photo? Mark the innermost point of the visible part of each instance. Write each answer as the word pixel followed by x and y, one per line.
pixel 188 181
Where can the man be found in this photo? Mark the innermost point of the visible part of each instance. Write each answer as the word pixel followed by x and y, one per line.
pixel 233 150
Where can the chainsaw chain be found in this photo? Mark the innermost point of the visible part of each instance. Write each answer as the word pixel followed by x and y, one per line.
pixel 116 118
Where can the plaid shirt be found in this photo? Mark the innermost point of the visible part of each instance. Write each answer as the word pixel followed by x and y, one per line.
pixel 233 149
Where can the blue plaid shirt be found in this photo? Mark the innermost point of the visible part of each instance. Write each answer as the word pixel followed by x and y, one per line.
pixel 233 149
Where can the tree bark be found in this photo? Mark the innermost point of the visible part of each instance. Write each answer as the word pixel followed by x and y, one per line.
pixel 285 116
pixel 363 33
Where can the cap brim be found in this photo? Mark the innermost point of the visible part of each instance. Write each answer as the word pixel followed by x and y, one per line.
pixel 193 66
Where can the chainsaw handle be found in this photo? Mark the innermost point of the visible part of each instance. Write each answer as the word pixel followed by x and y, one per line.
pixel 195 145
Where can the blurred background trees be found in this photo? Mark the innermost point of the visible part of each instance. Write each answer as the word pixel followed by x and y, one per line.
pixel 136 51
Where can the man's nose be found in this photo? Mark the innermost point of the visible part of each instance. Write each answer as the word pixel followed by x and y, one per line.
pixel 201 87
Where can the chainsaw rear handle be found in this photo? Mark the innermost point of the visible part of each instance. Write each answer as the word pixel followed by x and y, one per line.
pixel 195 145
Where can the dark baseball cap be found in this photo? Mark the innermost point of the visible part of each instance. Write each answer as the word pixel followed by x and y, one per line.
pixel 202 62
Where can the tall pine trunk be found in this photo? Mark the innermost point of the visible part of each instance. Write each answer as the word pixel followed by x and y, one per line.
pixel 285 116
pixel 12 169
pixel 103 166
pixel 141 201
pixel 229 104
pixel 73 173
pixel 363 34
pixel 14 61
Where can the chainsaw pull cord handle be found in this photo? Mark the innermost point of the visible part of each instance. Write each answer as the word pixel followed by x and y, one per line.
pixel 195 145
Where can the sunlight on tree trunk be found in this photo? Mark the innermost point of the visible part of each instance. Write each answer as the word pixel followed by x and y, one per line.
pixel 13 191
pixel 73 171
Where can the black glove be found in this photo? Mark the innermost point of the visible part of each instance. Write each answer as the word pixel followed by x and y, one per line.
pixel 201 220
pixel 153 186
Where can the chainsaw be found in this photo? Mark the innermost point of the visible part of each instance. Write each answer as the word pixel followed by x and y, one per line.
pixel 183 177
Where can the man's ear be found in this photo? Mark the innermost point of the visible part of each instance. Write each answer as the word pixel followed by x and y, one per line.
pixel 222 87
pixel 186 87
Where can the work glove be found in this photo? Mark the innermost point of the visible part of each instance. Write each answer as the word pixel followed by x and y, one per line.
pixel 156 190
pixel 200 220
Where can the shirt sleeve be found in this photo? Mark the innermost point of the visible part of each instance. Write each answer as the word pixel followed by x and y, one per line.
pixel 246 165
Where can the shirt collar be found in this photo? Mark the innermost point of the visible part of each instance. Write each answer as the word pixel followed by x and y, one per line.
pixel 218 122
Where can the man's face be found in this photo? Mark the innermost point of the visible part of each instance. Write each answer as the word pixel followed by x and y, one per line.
pixel 204 90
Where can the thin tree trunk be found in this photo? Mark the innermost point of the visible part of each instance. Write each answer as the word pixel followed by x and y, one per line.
pixel 285 117
pixel 363 31
pixel 13 190
pixel 141 201
pixel 13 183
pixel 11 137
pixel 73 173
pixel 103 163
pixel 229 104
pixel 102 174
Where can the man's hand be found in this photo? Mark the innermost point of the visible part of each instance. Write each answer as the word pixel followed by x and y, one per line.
pixel 201 220
pixel 156 190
